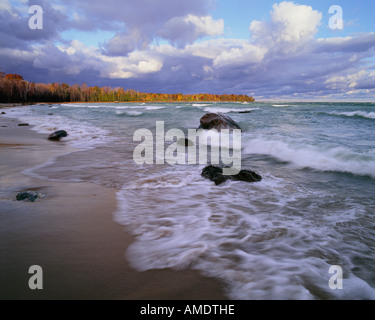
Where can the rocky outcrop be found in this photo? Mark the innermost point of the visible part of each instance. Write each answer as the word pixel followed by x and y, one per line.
pixel 217 121
pixel 57 135
pixel 215 174
pixel 30 196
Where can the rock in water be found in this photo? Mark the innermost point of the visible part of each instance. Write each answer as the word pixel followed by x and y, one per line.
pixel 57 135
pixel 31 196
pixel 215 174
pixel 245 111
pixel 248 176
pixel 23 125
pixel 217 121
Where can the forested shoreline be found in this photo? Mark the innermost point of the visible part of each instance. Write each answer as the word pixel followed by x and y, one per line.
pixel 14 89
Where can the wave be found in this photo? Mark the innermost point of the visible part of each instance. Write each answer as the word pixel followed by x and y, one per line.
pixel 80 134
pixel 129 113
pixel 180 220
pixel 361 114
pixel 282 105
pixel 229 110
pixel 339 159
pixel 110 106
pixel 200 105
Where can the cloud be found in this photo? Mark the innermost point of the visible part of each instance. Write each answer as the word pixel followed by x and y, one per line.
pixel 138 22
pixel 185 30
pixel 124 43
pixel 14 24
pixel 291 25
pixel 82 58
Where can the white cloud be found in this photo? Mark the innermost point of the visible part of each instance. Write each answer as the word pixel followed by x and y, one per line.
pixel 290 23
pixel 350 80
pixel 206 26
pixel 296 22
pixel 247 54
pixel 135 64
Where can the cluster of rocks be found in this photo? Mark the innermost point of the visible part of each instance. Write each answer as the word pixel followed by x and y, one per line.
pixel 215 174
pixel 221 121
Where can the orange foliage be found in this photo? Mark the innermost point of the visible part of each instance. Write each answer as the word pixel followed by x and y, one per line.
pixel 13 88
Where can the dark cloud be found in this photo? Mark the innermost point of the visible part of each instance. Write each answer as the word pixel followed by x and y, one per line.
pixel 14 25
pixel 140 19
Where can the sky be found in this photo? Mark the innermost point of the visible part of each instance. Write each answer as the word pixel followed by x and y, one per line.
pixel 272 50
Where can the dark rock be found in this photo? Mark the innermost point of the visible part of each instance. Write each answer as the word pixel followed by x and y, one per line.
pixel 23 125
pixel 3 113
pixel 57 135
pixel 215 174
pixel 248 176
pixel 50 114
pixel 217 121
pixel 31 196
pixel 246 111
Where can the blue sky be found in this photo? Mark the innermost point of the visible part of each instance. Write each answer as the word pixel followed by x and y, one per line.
pixel 278 50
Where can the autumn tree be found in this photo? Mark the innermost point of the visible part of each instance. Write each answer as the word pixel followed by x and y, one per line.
pixel 13 88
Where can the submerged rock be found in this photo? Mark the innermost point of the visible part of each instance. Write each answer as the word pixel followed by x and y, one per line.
pixel 57 135
pixel 215 174
pixel 31 196
pixel 3 112
pixel 217 121
pixel 23 125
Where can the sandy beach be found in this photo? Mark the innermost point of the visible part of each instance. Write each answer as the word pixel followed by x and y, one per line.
pixel 71 234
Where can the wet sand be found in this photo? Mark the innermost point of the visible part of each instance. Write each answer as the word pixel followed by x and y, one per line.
pixel 72 236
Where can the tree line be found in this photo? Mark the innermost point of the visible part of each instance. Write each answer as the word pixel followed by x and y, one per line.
pixel 14 89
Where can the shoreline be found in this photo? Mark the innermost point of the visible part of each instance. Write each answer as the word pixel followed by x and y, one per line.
pixel 72 235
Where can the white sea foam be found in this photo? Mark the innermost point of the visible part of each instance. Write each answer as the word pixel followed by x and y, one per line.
pixel 363 114
pixel 228 110
pixel 244 236
pixel 339 159
pixel 129 113
pixel 116 106
pixel 80 134
pixel 282 105
pixel 200 104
